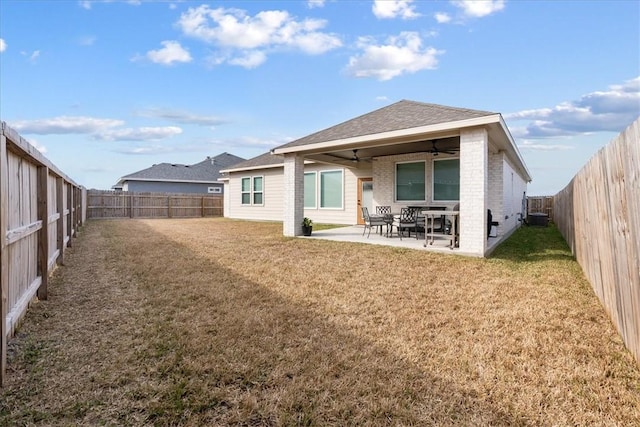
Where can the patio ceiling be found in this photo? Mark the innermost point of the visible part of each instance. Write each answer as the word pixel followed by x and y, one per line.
pixel 344 155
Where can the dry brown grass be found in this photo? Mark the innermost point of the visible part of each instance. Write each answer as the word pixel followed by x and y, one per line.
pixel 219 322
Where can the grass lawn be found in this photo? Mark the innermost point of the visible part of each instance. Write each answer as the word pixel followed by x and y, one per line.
pixel 221 322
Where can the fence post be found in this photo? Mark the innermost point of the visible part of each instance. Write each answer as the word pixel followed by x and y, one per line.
pixel 43 234
pixel 60 221
pixel 203 211
pixel 70 217
pixel 131 206
pixel 4 257
pixel 169 206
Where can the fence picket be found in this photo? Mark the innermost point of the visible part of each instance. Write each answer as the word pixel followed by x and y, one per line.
pixel 30 203
pixel 118 204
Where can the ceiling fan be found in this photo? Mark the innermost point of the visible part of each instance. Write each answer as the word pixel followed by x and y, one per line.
pixel 435 150
pixel 355 158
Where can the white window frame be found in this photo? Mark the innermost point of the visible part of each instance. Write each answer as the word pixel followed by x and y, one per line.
pixel 319 187
pixel 315 189
pixel 254 191
pixel 433 180
pixel 251 192
pixel 395 182
pixel 214 190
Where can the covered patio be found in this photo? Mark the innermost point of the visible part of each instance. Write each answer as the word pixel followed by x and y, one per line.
pixel 402 156
pixel 354 234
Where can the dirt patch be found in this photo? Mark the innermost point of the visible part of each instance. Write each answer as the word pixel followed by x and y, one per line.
pixel 220 322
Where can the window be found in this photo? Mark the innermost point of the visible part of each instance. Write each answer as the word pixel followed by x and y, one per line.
pixel 410 181
pixel 446 180
pixel 331 189
pixel 214 190
pixel 310 190
pixel 246 191
pixel 257 190
pixel 252 190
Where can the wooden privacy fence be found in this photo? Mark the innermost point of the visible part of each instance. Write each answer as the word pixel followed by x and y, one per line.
pixel 543 204
pixel 598 214
pixel 40 210
pixel 119 204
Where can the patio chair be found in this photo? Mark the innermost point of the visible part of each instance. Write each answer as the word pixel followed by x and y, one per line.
pixel 371 221
pixel 383 210
pixel 408 220
pixel 449 225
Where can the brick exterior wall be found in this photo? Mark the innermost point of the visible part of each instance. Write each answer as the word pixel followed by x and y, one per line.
pixel 474 177
pixel 496 188
pixel 384 179
pixel 293 195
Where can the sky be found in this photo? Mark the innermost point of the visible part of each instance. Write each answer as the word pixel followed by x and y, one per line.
pixel 106 88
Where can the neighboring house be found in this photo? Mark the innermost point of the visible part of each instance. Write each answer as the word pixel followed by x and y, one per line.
pixel 408 153
pixel 203 177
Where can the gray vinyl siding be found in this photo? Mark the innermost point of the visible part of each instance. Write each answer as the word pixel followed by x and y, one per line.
pixel 169 187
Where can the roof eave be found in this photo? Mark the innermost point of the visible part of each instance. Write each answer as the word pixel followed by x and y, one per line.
pixel 516 151
pixel 270 166
pixel 395 134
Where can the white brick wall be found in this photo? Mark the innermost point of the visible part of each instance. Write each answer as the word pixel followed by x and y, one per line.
pixel 293 195
pixel 473 190
pixel 496 187
pixel 384 178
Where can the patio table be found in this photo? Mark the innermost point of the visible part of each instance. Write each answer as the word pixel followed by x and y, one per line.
pixel 389 218
pixel 430 234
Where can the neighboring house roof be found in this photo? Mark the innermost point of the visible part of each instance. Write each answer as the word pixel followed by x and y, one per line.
pixel 207 170
pixel 398 116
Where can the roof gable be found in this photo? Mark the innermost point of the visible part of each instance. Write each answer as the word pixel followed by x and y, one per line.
pixel 400 115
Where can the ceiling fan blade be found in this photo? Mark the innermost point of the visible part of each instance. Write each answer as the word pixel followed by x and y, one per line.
pixel 355 158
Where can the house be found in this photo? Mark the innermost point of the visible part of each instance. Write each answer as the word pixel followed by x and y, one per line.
pixel 408 153
pixel 203 177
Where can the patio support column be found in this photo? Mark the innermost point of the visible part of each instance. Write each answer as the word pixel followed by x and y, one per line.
pixel 474 176
pixel 293 194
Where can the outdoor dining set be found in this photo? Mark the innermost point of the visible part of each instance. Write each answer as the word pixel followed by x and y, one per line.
pixel 431 221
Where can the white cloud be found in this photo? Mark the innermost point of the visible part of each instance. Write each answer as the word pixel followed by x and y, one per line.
pixel 601 111
pixel 65 125
pixel 171 53
pixel 41 148
pixel 87 4
pixel 138 134
pixel 315 3
pixel 183 117
pixel 537 146
pixel 246 40
pixel 401 54
pixel 479 8
pixel 249 59
pixel 3 45
pixel 390 9
pixel 442 17
pixel 33 56
pixel 87 40
pixel 249 141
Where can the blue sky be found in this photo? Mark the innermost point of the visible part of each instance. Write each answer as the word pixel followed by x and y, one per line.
pixel 107 88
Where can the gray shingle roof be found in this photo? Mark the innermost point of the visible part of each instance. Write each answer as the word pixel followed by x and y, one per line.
pixel 266 159
pixel 207 170
pixel 400 115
